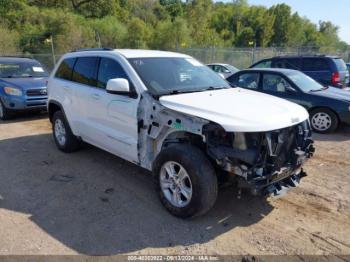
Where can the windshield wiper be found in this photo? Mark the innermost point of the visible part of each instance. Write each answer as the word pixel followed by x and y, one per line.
pixel 215 88
pixel 321 89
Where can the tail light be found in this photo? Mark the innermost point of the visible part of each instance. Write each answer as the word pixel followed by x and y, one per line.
pixel 335 78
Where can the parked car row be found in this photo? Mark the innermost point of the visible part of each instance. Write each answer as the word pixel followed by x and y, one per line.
pixel 318 83
pixel 174 116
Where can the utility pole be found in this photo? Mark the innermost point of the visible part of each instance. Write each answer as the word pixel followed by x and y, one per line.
pixel 52 51
pixel 98 39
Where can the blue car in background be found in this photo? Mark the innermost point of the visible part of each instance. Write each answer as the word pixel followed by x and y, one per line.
pixel 327 70
pixel 22 86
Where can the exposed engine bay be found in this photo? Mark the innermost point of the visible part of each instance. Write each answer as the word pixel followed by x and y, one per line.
pixel 263 161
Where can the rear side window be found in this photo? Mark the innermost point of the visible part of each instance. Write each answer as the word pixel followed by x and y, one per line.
pixel 65 69
pixel 85 71
pixel 290 63
pixel 315 64
pixel 247 80
pixel 263 64
pixel 341 66
pixel 109 69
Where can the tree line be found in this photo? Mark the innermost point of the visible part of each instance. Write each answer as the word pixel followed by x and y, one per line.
pixel 26 26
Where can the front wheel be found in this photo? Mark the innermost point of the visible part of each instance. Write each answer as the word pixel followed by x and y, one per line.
pixel 62 134
pixel 323 121
pixel 186 181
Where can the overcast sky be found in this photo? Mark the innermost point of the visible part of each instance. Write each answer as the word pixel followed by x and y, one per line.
pixel 336 11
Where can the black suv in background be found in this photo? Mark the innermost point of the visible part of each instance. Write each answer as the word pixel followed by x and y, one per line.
pixel 327 70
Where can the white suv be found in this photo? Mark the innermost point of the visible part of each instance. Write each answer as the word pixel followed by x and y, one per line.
pixel 172 115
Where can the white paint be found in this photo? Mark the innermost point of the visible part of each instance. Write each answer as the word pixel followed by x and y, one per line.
pixel 238 110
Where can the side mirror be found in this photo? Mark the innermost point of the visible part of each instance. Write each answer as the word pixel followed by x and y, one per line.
pixel 119 86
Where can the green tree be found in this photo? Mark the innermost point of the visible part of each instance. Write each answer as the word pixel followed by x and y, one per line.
pixel 139 34
pixel 172 35
pixel 282 12
pixel 9 43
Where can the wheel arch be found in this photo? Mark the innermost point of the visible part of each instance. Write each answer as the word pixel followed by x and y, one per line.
pixel 52 107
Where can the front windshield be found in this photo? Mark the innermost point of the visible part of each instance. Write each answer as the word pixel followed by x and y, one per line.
pixel 21 69
pixel 171 75
pixel 304 82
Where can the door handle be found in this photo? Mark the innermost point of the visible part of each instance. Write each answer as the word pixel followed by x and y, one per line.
pixel 66 88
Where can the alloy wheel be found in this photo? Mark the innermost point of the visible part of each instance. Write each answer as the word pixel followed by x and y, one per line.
pixel 321 121
pixel 60 132
pixel 176 184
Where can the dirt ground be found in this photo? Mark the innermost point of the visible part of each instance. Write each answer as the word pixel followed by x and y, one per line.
pixel 92 202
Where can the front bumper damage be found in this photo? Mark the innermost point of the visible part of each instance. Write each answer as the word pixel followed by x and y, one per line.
pixel 266 162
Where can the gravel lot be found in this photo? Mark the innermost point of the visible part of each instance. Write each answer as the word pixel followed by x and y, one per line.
pixel 92 202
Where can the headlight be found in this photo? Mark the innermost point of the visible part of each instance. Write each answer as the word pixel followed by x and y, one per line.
pixel 349 108
pixel 13 91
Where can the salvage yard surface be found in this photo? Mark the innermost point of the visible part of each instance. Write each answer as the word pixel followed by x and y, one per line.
pixel 91 202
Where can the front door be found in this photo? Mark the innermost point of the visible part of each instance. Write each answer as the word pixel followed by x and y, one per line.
pixel 114 117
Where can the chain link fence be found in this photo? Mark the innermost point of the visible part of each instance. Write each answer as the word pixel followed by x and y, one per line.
pixel 239 57
pixel 244 57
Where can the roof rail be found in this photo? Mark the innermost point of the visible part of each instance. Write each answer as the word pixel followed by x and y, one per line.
pixel 16 56
pixel 93 49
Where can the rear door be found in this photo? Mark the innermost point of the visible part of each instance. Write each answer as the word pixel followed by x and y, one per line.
pixel 83 79
pixel 318 68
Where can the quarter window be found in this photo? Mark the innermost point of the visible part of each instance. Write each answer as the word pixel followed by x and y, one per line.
pixel 65 69
pixel 85 71
pixel 109 69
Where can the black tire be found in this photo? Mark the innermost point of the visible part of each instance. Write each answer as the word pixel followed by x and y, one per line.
pixel 5 113
pixel 201 173
pixel 71 142
pixel 325 113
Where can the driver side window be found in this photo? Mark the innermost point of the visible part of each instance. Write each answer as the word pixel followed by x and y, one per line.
pixel 275 83
pixel 109 69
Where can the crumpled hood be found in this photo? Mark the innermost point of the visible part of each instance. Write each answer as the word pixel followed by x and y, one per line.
pixel 335 93
pixel 238 110
pixel 24 83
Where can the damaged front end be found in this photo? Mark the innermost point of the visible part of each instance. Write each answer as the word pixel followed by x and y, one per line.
pixel 264 162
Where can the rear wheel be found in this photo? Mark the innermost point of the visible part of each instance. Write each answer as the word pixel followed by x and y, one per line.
pixel 65 140
pixel 4 112
pixel 323 121
pixel 186 181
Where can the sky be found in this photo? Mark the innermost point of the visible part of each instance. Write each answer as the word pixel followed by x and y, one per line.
pixel 336 11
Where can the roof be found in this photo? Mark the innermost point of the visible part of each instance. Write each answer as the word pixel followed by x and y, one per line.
pixel 14 59
pixel 278 70
pixel 218 64
pixel 306 56
pixel 135 53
